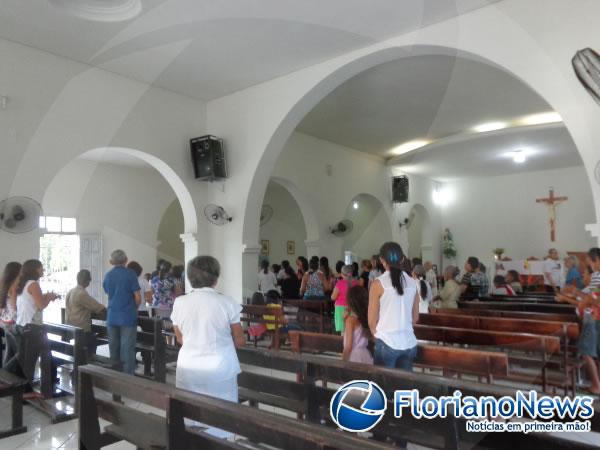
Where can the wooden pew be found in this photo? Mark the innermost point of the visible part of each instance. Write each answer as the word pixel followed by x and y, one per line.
pixel 13 386
pixel 255 314
pixel 518 298
pixel 153 431
pixel 150 340
pixel 543 346
pixel 476 362
pixel 554 317
pixel 565 330
pixel 518 306
pixel 313 315
pixel 448 433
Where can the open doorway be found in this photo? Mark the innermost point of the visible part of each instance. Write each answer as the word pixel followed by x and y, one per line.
pixel 59 253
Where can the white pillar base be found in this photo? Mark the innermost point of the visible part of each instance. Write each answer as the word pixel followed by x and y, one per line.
pixel 594 229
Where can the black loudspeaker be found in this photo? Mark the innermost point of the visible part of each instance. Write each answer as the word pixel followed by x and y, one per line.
pixel 208 158
pixel 400 189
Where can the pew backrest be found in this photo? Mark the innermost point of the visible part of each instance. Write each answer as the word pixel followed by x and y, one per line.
pixel 569 330
pixel 553 317
pixel 546 345
pixel 483 363
pixel 149 430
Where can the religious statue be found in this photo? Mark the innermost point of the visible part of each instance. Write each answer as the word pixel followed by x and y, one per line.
pixel 448 247
pixel 552 201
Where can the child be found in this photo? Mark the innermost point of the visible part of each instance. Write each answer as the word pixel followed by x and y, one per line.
pixel 356 329
pixel 339 296
pixel 501 287
pixel 425 291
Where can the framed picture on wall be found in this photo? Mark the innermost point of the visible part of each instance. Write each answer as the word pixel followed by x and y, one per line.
pixel 265 247
pixel 291 247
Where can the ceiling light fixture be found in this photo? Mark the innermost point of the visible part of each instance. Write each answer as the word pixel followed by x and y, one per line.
pixel 489 126
pixel 519 156
pixel 101 10
pixel 355 205
pixel 541 118
pixel 409 146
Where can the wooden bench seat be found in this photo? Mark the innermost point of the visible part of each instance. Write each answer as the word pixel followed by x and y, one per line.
pixel 255 314
pixel 518 306
pixel 14 387
pixel 448 433
pixel 154 431
pixel 554 317
pixel 476 362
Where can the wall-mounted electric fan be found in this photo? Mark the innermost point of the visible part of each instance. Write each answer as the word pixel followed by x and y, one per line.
pixel 342 228
pixel 19 214
pixel 216 215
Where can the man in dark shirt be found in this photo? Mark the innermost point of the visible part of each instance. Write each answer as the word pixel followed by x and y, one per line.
pixel 123 290
pixel 466 283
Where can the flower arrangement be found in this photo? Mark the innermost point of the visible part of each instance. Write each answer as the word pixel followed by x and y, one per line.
pixel 448 247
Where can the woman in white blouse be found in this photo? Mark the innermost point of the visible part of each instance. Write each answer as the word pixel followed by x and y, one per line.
pixel 393 309
pixel 207 325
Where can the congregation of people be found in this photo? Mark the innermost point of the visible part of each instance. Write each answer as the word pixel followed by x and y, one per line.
pixel 376 305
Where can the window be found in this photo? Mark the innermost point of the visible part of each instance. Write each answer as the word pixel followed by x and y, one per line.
pixel 62 225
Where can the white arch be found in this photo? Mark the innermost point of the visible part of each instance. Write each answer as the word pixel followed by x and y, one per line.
pixel 309 215
pixel 183 195
pixel 312 97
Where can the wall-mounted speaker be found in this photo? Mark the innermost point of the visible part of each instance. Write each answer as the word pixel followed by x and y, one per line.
pixel 400 189
pixel 208 158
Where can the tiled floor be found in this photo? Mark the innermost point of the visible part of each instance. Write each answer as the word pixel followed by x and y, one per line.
pixel 43 435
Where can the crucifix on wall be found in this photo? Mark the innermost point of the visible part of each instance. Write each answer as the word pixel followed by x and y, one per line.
pixel 552 201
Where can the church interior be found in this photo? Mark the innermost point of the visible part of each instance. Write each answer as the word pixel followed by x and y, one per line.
pixel 313 193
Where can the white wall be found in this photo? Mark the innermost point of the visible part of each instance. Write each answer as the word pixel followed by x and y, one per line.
pixel 59 109
pixel 303 162
pixel 502 212
pixel 371 227
pixel 170 246
pixel 123 204
pixel 287 224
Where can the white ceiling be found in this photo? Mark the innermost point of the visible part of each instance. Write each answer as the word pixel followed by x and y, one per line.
pixel 206 48
pixel 418 97
pixel 109 156
pixel 489 154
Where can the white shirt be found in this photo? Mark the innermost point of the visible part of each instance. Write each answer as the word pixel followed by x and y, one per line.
pixel 208 354
pixel 27 312
pixel 266 281
pixel 425 297
pixel 395 326
pixel 555 268
pixel 144 287
pixel 431 278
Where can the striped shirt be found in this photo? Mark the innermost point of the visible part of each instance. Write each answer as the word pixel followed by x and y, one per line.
pixel 594 288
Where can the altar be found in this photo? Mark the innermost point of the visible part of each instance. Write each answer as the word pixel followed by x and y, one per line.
pixel 524 267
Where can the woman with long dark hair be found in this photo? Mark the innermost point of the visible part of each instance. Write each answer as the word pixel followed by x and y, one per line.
pixel 302 266
pixel 8 295
pixel 356 327
pixel 327 274
pixel 30 300
pixel 424 288
pixel 393 308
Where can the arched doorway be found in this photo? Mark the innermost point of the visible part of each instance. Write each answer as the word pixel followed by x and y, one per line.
pixel 370 227
pixel 283 232
pixel 419 234
pixel 320 90
pixel 118 198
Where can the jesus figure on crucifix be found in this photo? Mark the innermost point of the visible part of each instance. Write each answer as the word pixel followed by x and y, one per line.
pixel 552 201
